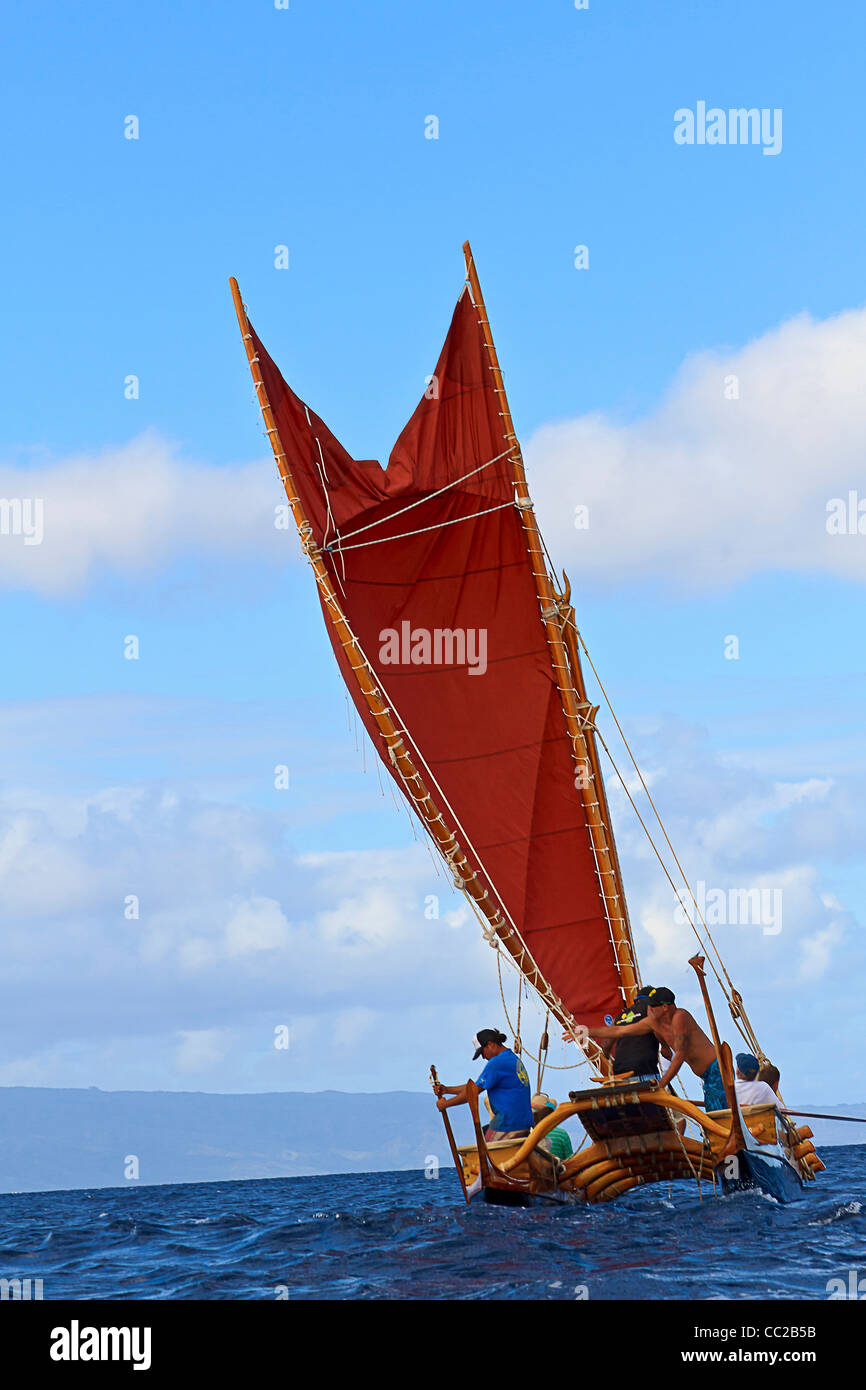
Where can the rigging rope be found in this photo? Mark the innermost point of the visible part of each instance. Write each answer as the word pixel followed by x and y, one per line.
pixel 733 998
pixel 404 535
pixel 651 802
pixel 320 465
pixel 338 539
pixel 667 874
pixel 573 1066
pixel 518 1045
pixel 543 1047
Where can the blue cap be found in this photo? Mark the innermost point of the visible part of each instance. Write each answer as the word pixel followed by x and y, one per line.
pixel 747 1064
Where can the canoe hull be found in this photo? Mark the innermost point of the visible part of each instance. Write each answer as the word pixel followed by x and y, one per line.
pixel 635 1141
pixel 499 1197
pixel 770 1173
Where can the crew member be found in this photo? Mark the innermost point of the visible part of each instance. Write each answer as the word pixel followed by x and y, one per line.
pixel 556 1142
pixel 639 1055
pixel 750 1089
pixel 686 1039
pixel 505 1080
pixel 770 1074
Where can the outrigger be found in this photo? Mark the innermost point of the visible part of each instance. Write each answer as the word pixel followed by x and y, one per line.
pixel 499 759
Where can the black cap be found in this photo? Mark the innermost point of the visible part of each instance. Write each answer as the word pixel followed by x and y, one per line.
pixel 483 1037
pixel 661 996
pixel 644 991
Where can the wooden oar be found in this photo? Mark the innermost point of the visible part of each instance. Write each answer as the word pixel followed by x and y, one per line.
pixel 434 1081
pixel 810 1115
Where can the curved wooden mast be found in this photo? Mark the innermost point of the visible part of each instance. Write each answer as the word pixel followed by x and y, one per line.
pixel 498 926
pixel 579 714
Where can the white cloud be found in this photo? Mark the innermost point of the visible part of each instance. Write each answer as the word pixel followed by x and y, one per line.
pixel 741 841
pixel 134 509
pixel 718 488
pixel 721 488
pixel 365 920
pixel 818 954
pixel 670 940
pixel 724 831
pixel 200 1050
pixel 256 925
pixel 237 928
pixel 217 894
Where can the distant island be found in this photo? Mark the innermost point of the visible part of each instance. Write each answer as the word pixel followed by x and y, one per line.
pixel 62 1139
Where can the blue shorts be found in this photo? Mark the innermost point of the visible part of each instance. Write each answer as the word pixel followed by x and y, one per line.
pixel 714 1091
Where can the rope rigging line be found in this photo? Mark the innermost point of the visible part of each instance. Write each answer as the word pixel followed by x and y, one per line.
pixel 518 1041
pixel 514 964
pixel 544 1047
pixel 379 776
pixel 653 805
pixel 695 1173
pixel 325 481
pixel 573 1066
pixel 404 535
pixel 380 521
pixel 676 890
pixel 751 1040
pixel 734 998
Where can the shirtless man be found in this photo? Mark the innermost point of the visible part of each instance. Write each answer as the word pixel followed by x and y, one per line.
pixel 684 1036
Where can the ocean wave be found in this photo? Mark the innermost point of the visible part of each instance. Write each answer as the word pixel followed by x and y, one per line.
pixel 398 1236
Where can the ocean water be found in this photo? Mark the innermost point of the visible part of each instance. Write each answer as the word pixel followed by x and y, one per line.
pixel 403 1236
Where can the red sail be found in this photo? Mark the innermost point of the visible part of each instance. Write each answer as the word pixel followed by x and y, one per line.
pixel 429 560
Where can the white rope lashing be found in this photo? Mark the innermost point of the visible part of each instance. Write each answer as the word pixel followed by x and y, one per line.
pixel 380 521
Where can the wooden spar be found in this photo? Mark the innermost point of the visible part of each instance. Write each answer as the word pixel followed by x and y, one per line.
pixel 415 789
pixel 626 957
pixel 723 1057
pixel 697 964
pixel 726 1067
pixel 577 711
pixel 453 1147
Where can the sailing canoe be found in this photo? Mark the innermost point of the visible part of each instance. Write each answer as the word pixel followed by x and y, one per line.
pixel 457 646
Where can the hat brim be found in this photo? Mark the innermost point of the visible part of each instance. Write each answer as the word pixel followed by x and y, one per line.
pixel 477 1053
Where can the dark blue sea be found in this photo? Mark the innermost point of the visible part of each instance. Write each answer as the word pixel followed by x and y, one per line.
pixel 402 1236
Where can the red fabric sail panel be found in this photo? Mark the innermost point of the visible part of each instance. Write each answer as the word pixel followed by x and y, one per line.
pixel 443 602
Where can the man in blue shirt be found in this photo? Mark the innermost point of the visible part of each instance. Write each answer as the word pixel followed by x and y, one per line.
pixel 505 1080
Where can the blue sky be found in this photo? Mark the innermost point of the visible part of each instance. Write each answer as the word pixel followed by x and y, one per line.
pixel 305 127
